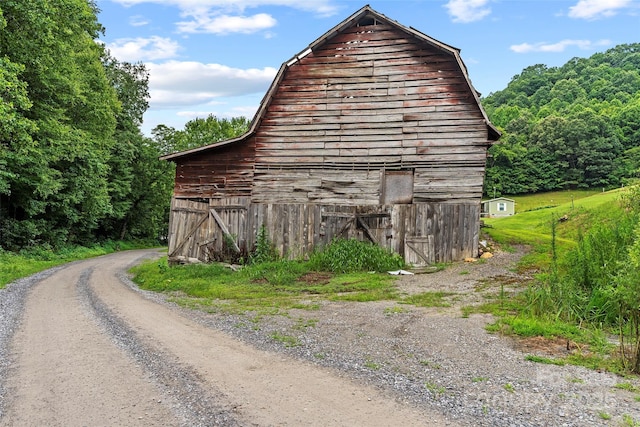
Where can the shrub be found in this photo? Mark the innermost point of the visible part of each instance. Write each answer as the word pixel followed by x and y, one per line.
pixel 351 255
pixel 264 250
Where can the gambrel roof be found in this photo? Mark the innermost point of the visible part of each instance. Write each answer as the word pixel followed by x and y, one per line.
pixel 366 14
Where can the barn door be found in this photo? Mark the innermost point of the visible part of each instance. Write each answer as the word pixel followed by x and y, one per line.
pixel 187 220
pixel 366 226
pixel 204 232
pixel 419 251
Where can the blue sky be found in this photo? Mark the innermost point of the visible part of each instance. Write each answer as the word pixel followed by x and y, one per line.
pixel 220 56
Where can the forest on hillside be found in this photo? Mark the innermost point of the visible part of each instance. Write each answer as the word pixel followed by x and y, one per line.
pixel 574 126
pixel 75 167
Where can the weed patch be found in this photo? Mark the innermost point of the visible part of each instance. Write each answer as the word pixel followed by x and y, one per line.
pixel 544 360
pixel 287 340
pixel 429 299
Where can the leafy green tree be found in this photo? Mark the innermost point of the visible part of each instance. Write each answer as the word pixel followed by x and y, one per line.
pixel 58 191
pixel 572 126
pixel 199 132
pixel 627 120
pixel 130 81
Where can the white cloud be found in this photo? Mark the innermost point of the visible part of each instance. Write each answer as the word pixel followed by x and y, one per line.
pixel 225 24
pixel 138 21
pixel 246 111
pixel 227 16
pixel 594 9
pixel 321 7
pixel 465 11
pixel 194 114
pixel 143 49
pixel 174 83
pixel 560 46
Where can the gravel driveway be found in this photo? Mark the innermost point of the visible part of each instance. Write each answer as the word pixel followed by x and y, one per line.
pixel 379 363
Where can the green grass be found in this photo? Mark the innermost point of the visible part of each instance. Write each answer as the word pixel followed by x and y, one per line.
pixel 14 266
pixel 627 386
pixel 287 340
pixel 369 363
pixel 628 421
pixel 544 360
pixel 530 202
pixel 429 299
pixel 533 227
pixel 435 389
pixel 604 415
pixel 267 288
pixel 568 292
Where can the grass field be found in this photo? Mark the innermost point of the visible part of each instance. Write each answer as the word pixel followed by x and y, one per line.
pixel 533 226
pixel 529 202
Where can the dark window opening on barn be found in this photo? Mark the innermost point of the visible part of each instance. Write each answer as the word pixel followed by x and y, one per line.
pixel 396 187
pixel 366 21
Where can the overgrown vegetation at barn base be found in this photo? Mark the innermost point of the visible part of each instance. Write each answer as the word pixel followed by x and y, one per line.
pixel 350 255
pixel 340 271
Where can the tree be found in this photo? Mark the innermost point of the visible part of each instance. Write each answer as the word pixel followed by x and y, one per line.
pixel 57 189
pixel 199 132
pixel 568 126
pixel 131 84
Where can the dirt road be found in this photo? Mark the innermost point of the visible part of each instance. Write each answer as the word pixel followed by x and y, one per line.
pixel 90 351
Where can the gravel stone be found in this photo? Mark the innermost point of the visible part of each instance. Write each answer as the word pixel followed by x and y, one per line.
pixel 428 357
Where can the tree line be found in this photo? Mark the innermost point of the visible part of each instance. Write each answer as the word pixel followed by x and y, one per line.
pixel 574 126
pixel 75 167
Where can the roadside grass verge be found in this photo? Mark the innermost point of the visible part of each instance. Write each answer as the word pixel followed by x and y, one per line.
pixel 590 346
pixel 345 270
pixel 14 265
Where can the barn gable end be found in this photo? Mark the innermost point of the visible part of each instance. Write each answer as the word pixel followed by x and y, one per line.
pixel 374 131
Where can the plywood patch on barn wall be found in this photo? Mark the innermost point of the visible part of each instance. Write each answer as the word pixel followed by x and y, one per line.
pixel 423 233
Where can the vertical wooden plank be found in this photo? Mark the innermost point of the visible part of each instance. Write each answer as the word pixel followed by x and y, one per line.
pixel 442 234
pixel 173 220
pixel 455 231
pixel 467 248
pixel 475 227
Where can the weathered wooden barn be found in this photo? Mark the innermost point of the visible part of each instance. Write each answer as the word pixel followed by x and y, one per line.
pixel 374 131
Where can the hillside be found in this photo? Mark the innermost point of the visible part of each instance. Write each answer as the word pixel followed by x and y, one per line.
pixel 575 126
pixel 533 226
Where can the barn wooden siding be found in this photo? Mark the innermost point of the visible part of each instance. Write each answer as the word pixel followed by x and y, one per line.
pixel 372 98
pixel 422 233
pixel 227 171
pixel 373 132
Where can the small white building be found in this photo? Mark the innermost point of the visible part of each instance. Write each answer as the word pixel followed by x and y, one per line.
pixel 500 206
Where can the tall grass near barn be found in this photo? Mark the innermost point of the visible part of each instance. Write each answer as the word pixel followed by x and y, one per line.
pixel 592 277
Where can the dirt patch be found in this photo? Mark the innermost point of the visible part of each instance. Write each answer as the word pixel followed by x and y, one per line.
pixel 315 278
pixel 558 347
